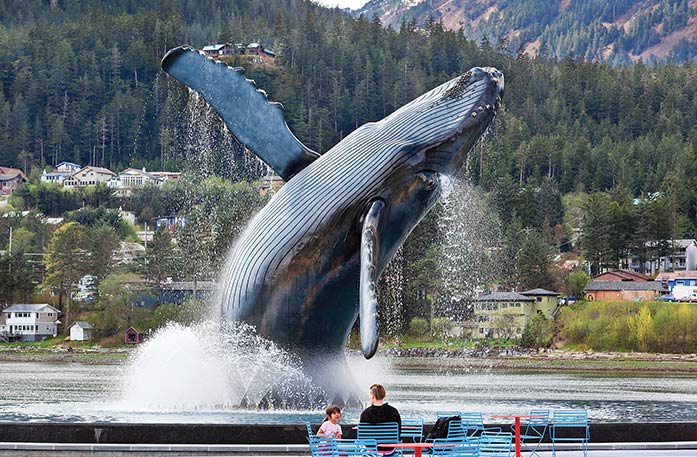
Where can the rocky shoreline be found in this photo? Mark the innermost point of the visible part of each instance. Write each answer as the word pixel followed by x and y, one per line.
pixel 541 360
pixel 514 359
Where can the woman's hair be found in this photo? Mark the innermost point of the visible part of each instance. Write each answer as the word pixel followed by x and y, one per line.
pixel 378 391
pixel 331 409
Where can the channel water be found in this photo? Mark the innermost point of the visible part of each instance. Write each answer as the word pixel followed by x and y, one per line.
pixel 45 392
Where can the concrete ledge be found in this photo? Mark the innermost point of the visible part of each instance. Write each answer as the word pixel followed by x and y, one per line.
pixel 287 435
pixel 295 450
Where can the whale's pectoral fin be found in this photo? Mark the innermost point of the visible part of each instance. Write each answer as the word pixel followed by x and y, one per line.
pixel 368 310
pixel 257 123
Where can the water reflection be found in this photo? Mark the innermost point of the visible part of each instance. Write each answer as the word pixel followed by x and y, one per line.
pixel 84 393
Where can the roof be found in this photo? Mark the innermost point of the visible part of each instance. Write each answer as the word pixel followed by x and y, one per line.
pixel 9 170
pixel 624 275
pixel 31 307
pixel 189 285
pixel 70 164
pixel 504 296
pixel 58 173
pixel 682 243
pixel 668 275
pixel 104 171
pixel 625 285
pixel 137 171
pixel 213 47
pixel 9 176
pixel 83 324
pixel 539 291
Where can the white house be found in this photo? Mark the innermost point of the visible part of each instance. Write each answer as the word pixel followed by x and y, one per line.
pixel 55 177
pixel 81 331
pixel 30 322
pixel 128 252
pixel 89 176
pixel 69 167
pixel 132 178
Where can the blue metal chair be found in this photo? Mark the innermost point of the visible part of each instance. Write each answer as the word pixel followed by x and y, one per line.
pixel 570 425
pixel 495 444
pixel 474 424
pixel 458 448
pixel 412 429
pixel 385 432
pixel 323 446
pixel 535 428
pixel 357 448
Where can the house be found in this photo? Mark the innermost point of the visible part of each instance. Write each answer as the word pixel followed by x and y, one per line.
pixel 60 173
pixel 167 175
pixel 133 336
pixel 68 167
pixel 81 331
pixel 170 222
pixel 502 314
pixel 545 301
pixel 624 290
pixel 88 176
pixel 30 322
pixel 621 275
pixel 55 177
pixel 128 252
pixel 675 260
pixel 219 50
pixel 270 184
pixel 180 291
pixel 132 178
pixel 681 285
pixel 10 180
pixel 624 285
pixel 228 49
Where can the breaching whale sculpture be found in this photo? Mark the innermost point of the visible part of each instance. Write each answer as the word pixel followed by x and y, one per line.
pixel 309 261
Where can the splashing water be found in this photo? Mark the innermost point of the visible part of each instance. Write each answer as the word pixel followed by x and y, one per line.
pixel 471 232
pixel 214 366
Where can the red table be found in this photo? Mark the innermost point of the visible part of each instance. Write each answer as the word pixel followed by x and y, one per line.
pixel 517 418
pixel 415 446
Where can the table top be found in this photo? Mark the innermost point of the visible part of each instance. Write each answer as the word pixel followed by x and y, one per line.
pixel 513 416
pixel 406 445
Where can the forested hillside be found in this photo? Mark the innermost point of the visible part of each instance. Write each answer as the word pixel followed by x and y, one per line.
pixel 80 81
pixel 618 32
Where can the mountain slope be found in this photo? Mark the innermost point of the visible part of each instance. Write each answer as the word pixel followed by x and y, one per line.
pixel 618 32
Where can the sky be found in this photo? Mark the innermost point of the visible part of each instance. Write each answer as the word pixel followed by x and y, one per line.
pixel 353 4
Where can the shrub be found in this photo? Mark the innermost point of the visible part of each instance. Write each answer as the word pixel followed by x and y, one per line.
pixel 419 327
pixel 538 332
pixel 442 327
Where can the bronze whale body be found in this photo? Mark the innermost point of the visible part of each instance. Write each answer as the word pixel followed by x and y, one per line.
pixel 307 265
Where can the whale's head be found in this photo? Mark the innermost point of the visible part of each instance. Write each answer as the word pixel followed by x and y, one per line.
pixel 438 129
